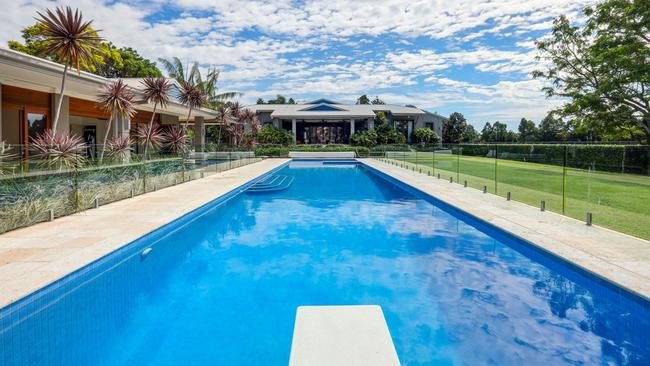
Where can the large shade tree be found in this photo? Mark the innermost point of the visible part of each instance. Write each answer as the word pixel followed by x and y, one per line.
pixel 71 39
pixel 602 69
pixel 453 128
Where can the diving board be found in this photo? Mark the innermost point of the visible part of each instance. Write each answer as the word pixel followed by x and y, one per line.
pixel 342 335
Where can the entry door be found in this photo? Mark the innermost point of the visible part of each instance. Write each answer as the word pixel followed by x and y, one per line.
pixel 34 122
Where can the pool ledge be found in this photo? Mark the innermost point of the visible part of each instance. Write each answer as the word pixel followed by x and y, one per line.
pixel 35 256
pixel 615 257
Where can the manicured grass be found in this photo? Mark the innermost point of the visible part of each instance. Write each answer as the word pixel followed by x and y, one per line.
pixel 618 201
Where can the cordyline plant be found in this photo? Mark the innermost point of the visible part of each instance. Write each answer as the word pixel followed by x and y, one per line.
pixel 176 140
pixel 116 99
pixel 156 91
pixel 192 97
pixel 119 148
pixel 63 150
pixel 249 117
pixel 71 39
pixel 223 117
pixel 150 136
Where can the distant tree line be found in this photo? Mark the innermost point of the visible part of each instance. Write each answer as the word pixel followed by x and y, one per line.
pixel 279 99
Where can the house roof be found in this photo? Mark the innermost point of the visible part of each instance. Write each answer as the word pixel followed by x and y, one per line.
pixel 326 109
pixel 26 71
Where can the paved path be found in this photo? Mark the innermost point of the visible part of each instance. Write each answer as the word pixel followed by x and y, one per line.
pixel 619 258
pixel 32 257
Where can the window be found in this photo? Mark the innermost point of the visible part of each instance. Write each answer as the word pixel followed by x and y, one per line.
pixel 429 125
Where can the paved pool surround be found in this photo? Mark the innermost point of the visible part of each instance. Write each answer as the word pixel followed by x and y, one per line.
pixel 33 257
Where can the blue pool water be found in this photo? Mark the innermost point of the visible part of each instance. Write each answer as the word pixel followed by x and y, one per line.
pixel 221 286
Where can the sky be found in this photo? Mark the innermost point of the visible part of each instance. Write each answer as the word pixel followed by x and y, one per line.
pixel 468 56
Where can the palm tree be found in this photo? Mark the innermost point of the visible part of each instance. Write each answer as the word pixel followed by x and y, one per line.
pixel 209 87
pixel 247 116
pixel 192 97
pixel 191 74
pixel 116 99
pixel 71 39
pixel 156 91
pixel 178 72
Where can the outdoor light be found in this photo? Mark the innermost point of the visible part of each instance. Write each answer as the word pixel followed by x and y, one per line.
pixel 50 215
pixel 484 189
pixel 589 218
pixel 96 202
pixel 465 184
pixel 508 196
pixel 542 206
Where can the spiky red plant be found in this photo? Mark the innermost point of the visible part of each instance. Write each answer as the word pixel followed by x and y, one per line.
pixel 176 140
pixel 156 91
pixel 70 38
pixel 119 148
pixel 192 97
pixel 150 136
pixel 59 150
pixel 116 99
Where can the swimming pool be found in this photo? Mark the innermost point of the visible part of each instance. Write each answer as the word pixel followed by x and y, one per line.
pixel 222 284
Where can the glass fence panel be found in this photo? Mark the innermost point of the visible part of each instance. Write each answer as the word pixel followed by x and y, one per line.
pixel 26 199
pixel 532 174
pixel 477 166
pixel 446 162
pixel 611 183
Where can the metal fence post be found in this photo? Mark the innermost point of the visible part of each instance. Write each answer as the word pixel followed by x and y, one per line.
pixel 496 162
pixel 564 179
pixel 460 151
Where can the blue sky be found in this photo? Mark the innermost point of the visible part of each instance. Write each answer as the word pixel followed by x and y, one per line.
pixel 470 56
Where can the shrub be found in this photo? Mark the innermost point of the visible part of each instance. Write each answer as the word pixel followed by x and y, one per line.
pixel 365 138
pixel 278 150
pixel 425 136
pixel 274 135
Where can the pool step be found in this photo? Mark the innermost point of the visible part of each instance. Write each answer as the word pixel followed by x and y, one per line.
pixel 342 335
pixel 271 184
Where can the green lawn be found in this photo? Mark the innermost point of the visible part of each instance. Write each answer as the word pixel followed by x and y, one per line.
pixel 618 201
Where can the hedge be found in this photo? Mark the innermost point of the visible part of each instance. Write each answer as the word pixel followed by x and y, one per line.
pixel 279 150
pixel 633 159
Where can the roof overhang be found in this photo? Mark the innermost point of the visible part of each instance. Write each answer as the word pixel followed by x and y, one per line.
pixel 26 71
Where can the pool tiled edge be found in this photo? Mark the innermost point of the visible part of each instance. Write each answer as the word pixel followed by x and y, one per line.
pixel 615 257
pixel 34 257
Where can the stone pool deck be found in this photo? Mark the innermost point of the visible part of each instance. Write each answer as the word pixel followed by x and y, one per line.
pixel 32 257
pixel 618 258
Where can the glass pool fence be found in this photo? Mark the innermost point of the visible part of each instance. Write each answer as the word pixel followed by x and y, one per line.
pixel 608 185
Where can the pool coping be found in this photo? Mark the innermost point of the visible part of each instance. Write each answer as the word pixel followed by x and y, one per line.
pixel 618 259
pixel 60 256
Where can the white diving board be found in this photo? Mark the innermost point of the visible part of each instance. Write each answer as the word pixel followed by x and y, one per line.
pixel 341 335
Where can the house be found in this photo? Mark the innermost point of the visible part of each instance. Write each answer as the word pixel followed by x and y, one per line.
pixel 29 92
pixel 324 121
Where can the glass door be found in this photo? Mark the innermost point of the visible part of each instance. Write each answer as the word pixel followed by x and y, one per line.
pixel 34 122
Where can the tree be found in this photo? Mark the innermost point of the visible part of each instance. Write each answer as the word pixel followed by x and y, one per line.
pixel 116 99
pixel 453 128
pixel 470 134
pixel 156 91
pixel 552 129
pixel 279 99
pixel 527 130
pixel 487 133
pixel 291 101
pixel 260 101
pixel 363 100
pixel 602 69
pixel 107 60
pixel 377 101
pixel 425 136
pixel 192 75
pixel 192 97
pixel 70 39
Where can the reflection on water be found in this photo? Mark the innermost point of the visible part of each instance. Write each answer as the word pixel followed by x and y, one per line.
pixel 224 289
